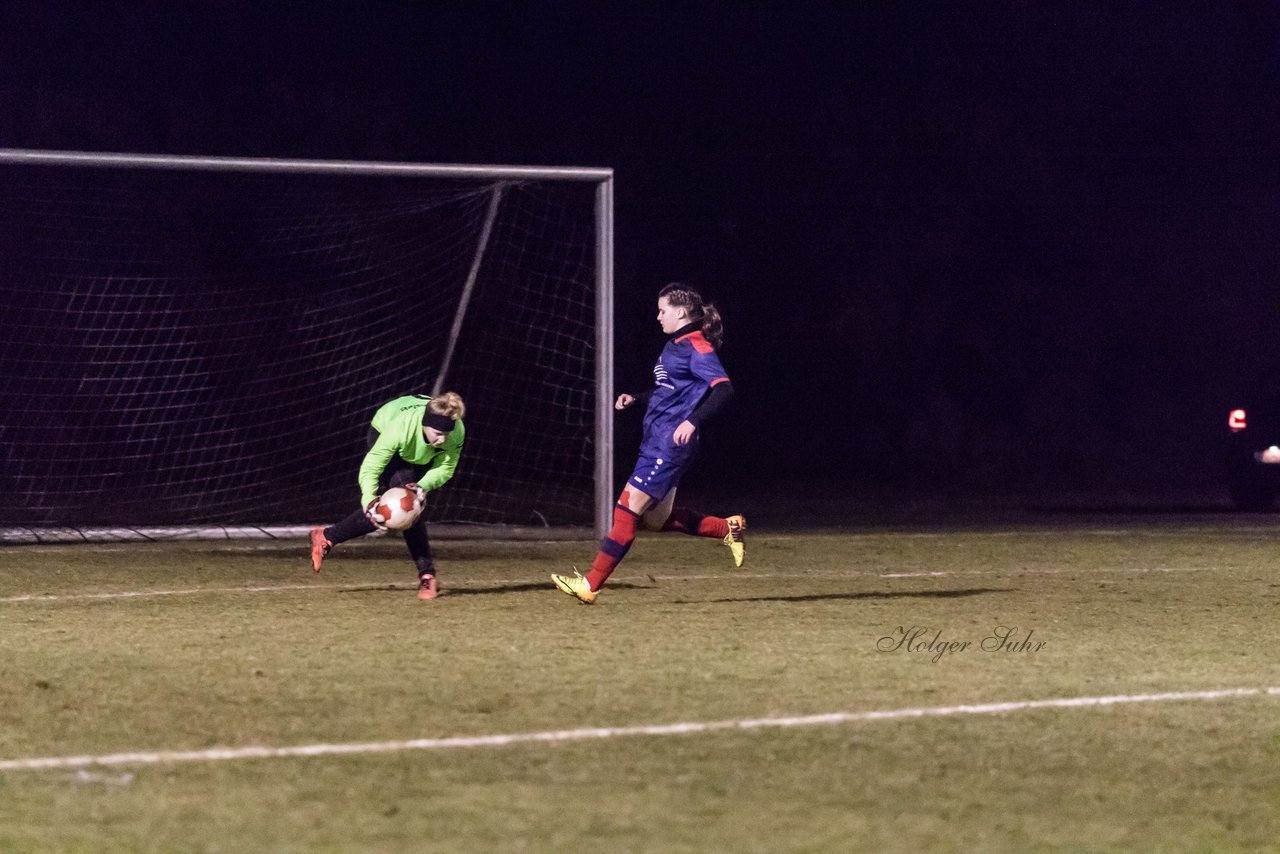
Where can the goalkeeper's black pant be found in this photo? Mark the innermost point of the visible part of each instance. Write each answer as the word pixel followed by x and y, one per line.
pixel 397 473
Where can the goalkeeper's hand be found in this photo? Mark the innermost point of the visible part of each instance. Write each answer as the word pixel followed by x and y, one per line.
pixel 369 514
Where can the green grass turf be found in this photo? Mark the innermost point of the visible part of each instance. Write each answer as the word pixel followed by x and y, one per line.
pixel 1122 607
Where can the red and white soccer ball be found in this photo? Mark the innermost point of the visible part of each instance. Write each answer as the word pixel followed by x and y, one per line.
pixel 397 508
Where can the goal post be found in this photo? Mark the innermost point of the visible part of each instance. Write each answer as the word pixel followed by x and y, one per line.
pixel 197 343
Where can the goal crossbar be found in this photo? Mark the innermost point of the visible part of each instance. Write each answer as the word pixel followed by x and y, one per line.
pixel 280 164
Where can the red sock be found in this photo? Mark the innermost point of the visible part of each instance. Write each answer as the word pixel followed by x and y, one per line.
pixel 613 548
pixel 688 521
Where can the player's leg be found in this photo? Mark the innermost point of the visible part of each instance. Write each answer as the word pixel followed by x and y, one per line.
pixel 666 515
pixel 400 473
pixel 415 537
pixel 324 539
pixel 632 504
pixel 731 530
pixel 357 524
pixel 655 518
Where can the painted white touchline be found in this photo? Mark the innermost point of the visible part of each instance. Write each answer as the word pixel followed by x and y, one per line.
pixel 912 574
pixel 354 586
pixel 734 576
pixel 137 594
pixel 976 533
pixel 373 584
pixel 555 736
pixel 1043 571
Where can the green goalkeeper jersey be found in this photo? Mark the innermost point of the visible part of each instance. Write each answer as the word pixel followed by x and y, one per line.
pixel 399 426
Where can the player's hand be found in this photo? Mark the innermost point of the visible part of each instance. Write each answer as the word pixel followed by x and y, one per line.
pixel 684 433
pixel 415 488
pixel 369 514
pixel 623 401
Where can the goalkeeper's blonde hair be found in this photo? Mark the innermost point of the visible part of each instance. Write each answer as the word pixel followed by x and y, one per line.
pixel 450 404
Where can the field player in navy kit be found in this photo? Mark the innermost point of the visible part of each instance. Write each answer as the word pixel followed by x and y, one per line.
pixel 690 386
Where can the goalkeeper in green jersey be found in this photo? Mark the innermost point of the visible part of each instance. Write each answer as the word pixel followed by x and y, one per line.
pixel 414 442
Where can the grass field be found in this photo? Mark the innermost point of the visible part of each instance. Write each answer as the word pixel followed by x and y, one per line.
pixel 195 647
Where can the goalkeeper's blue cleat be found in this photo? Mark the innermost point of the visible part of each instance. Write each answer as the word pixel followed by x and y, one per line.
pixel 320 546
pixel 576 586
pixel 736 539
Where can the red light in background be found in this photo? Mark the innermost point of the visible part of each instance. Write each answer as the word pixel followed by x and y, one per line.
pixel 1236 419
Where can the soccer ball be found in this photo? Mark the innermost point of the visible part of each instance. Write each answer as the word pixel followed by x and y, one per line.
pixel 397 508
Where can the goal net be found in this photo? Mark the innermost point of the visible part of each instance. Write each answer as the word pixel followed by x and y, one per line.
pixel 201 342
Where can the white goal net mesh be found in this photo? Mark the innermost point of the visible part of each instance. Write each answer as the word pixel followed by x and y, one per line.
pixel 207 347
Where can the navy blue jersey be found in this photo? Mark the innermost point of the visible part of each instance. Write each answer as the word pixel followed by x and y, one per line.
pixel 686 370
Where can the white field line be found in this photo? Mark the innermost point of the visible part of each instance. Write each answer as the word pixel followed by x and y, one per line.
pixel 140 594
pixel 558 736
pixel 728 576
pixel 294 544
pixel 1182 531
pixel 1045 571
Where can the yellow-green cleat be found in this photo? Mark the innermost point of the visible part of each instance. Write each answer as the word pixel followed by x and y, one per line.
pixel 736 539
pixel 576 586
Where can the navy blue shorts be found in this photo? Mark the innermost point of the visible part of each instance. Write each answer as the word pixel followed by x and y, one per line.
pixel 656 476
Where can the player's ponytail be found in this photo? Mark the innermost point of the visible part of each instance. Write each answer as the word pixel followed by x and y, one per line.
pixel 683 296
pixel 450 404
pixel 712 328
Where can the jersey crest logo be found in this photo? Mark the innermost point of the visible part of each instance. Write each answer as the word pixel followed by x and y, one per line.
pixel 660 376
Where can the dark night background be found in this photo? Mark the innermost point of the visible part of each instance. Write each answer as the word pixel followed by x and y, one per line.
pixel 959 248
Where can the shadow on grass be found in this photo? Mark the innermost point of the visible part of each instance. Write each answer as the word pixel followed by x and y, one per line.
pixel 445 589
pixel 818 597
